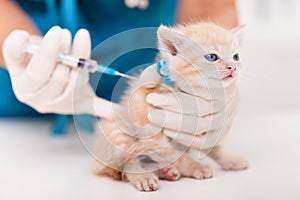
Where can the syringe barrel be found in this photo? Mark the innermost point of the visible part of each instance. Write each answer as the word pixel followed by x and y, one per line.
pixel 65 59
pixel 87 64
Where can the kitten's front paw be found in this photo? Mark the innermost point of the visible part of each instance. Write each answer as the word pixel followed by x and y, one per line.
pixel 146 182
pixel 169 173
pixel 235 163
pixel 203 172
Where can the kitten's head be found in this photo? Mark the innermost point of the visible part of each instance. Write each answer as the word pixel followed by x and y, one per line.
pixel 201 47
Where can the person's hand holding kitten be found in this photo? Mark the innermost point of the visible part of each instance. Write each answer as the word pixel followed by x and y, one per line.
pixel 171 108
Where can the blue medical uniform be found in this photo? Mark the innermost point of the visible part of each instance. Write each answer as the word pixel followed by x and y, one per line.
pixel 103 18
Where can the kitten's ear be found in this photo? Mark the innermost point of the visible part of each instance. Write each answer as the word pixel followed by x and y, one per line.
pixel 170 39
pixel 238 31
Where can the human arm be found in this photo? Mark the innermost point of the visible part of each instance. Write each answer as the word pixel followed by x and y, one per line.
pixel 13 17
pixel 221 12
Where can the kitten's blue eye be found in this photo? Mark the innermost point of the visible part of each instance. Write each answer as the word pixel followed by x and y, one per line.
pixel 236 57
pixel 211 57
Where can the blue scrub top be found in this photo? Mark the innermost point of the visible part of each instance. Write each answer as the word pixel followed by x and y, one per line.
pixel 103 18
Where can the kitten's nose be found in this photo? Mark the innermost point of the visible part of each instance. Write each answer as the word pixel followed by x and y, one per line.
pixel 231 68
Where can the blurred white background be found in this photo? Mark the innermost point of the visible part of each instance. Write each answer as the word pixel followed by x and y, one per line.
pixel 35 165
pixel 270 80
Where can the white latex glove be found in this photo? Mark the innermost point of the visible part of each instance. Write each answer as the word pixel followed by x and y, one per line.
pixel 46 85
pixel 185 117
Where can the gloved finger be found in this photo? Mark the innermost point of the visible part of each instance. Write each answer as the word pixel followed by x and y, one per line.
pixel 184 103
pixel 149 77
pixel 81 99
pixel 13 50
pixel 81 49
pixel 199 142
pixel 44 59
pixel 54 88
pixel 211 138
pixel 58 82
pixel 184 123
pixel 66 39
pixel 60 76
pixel 82 44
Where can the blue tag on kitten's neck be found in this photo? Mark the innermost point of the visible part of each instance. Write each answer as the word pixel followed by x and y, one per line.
pixel 163 69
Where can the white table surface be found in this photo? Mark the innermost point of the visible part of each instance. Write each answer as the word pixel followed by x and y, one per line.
pixel 36 165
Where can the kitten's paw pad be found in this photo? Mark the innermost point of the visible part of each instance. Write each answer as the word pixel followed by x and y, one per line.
pixel 147 183
pixel 235 163
pixel 169 173
pixel 203 172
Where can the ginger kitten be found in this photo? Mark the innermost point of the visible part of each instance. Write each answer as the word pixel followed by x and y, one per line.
pixel 190 51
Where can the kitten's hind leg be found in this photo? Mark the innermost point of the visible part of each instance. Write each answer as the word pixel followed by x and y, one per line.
pixel 227 161
pixel 170 173
pixel 190 168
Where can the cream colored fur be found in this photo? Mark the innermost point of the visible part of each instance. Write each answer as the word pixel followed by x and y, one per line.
pixel 183 47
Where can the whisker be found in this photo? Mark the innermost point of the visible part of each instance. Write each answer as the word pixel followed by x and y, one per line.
pixel 223 70
pixel 254 76
pixel 249 78
pixel 246 78
pixel 247 73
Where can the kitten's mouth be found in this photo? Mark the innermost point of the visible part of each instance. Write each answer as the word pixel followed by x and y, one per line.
pixel 230 76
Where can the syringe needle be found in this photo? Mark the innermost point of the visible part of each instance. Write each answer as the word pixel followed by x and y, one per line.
pixel 126 76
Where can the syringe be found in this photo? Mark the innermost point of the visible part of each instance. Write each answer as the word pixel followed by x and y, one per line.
pixel 90 65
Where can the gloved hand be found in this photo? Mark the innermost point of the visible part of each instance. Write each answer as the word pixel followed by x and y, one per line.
pixel 46 85
pixel 185 117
